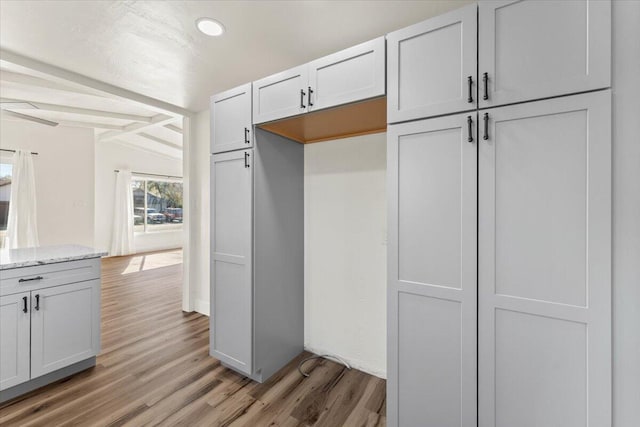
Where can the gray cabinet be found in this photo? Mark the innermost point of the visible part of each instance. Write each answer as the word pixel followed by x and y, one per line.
pixel 14 339
pixel 351 75
pixel 231 272
pixel 539 49
pixel 65 326
pixel 545 264
pixel 49 323
pixel 231 120
pixel 432 67
pixel 431 167
pixel 536 309
pixel 524 50
pixel 281 95
pixel 257 263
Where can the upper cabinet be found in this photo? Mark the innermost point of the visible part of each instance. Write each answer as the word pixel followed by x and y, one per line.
pixel 231 120
pixel 351 75
pixel 280 95
pixel 496 53
pixel 535 49
pixel 432 67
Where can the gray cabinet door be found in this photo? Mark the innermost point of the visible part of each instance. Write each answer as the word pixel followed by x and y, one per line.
pixel 429 65
pixel 14 339
pixel 231 120
pixel 281 95
pixel 432 279
pixel 545 264
pixel 65 326
pixel 539 49
pixel 351 75
pixel 231 269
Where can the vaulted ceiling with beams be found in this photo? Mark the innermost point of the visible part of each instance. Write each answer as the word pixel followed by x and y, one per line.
pixel 26 94
pixel 76 62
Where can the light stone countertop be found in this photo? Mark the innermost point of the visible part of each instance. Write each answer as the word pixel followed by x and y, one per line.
pixel 41 255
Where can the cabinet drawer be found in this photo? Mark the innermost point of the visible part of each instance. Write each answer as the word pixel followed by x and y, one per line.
pixel 42 276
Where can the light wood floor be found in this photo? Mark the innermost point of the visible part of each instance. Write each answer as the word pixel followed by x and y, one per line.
pixel 154 369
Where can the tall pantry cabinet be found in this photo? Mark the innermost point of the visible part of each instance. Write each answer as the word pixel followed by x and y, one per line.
pixel 499 217
pixel 257 241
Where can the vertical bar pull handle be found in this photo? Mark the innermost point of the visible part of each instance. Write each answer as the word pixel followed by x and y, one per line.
pixel 485 81
pixel 246 135
pixel 486 126
pixel 470 82
pixel 24 305
pixel 37 302
pixel 470 124
pixel 302 94
pixel 309 98
pixel 246 160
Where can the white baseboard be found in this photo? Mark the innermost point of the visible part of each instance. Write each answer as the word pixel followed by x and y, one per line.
pixel 201 306
pixel 356 364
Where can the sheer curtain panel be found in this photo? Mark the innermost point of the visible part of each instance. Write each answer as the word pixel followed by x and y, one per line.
pixel 22 226
pixel 122 238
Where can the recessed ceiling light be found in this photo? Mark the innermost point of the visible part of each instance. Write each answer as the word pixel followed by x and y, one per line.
pixel 210 27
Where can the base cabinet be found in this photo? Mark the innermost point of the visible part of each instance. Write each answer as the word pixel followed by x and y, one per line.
pixel 64 326
pixel 52 323
pixel 14 339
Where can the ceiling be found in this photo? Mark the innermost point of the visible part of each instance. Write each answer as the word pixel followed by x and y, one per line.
pixel 153 48
pixel 115 119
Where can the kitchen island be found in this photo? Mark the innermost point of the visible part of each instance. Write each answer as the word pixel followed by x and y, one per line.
pixel 49 315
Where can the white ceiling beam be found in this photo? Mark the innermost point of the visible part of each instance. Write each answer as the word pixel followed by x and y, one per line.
pixel 92 125
pixel 32 81
pixel 160 140
pixel 84 111
pixel 13 114
pixel 159 120
pixel 174 128
pixel 61 75
pixel 137 147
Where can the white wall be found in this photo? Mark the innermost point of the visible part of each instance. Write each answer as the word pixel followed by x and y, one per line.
pixel 64 173
pixel 345 250
pixel 626 214
pixel 111 155
pixel 199 244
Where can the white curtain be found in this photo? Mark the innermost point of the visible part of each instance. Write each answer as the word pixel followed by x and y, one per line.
pixel 122 238
pixel 22 226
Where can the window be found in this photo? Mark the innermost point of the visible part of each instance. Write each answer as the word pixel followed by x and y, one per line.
pixel 5 193
pixel 157 205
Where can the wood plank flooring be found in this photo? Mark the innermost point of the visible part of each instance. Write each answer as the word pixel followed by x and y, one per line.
pixel 155 369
